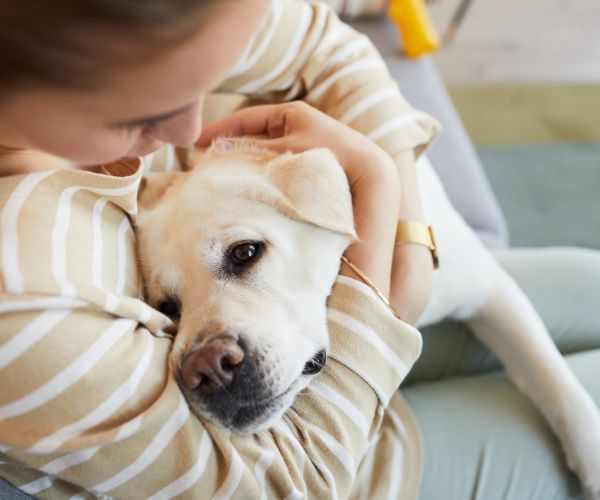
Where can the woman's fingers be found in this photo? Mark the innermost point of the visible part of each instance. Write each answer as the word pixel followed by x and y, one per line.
pixel 296 127
pixel 267 120
pixel 279 145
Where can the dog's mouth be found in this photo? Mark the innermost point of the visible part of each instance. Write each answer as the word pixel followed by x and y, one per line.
pixel 244 415
pixel 254 416
pixel 241 397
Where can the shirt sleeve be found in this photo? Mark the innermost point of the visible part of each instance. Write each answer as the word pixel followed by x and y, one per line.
pixel 303 51
pixel 88 405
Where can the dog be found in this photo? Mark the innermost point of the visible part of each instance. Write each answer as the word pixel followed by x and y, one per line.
pixel 248 279
pixel 260 235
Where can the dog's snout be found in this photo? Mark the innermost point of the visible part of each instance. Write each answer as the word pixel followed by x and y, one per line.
pixel 213 367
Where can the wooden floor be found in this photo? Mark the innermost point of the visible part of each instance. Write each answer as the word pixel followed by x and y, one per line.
pixel 522 41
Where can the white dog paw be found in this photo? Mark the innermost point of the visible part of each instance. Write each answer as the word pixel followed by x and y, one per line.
pixel 582 448
pixel 589 475
pixel 591 494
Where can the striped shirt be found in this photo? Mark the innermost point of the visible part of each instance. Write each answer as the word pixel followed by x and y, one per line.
pixel 303 51
pixel 88 406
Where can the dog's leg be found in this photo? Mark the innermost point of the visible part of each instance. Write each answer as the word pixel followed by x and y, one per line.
pixel 510 327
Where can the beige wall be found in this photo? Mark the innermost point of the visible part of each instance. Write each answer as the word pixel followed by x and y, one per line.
pixel 522 41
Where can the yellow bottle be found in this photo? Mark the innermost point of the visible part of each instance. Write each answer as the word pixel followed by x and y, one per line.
pixel 416 28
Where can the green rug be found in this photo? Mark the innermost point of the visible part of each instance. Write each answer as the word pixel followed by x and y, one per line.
pixel 540 146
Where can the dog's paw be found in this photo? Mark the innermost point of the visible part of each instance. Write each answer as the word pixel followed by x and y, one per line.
pixel 587 467
pixel 581 443
pixel 591 494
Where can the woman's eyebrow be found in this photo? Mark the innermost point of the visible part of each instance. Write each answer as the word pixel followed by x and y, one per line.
pixel 145 120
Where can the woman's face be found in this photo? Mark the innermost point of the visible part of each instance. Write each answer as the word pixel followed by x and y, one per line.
pixel 142 107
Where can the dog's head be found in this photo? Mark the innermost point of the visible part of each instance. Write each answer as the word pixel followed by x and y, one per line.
pixel 241 252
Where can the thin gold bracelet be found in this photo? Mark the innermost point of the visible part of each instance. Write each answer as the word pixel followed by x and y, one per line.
pixel 371 285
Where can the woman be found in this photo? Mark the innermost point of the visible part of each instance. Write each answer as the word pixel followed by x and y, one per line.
pixel 87 403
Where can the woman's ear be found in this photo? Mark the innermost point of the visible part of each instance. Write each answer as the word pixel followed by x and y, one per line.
pixel 315 190
pixel 154 186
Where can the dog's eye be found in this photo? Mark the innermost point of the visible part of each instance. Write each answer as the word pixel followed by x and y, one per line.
pixel 169 307
pixel 316 364
pixel 244 253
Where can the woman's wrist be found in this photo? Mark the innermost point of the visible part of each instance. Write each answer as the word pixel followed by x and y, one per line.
pixel 411 207
pixel 376 201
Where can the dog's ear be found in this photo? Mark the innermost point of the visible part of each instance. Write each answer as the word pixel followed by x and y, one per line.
pixel 154 186
pixel 315 190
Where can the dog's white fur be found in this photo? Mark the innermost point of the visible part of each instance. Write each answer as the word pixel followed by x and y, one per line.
pixel 301 208
pixel 301 204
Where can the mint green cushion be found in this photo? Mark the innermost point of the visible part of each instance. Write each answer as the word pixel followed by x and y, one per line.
pixel 484 440
pixel 563 284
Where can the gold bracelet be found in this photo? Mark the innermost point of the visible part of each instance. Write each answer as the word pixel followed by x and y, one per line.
pixel 371 285
pixel 409 231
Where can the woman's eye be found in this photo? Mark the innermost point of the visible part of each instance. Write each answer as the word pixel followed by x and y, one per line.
pixel 170 308
pixel 244 253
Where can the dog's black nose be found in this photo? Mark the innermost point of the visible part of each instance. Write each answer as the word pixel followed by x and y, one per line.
pixel 213 367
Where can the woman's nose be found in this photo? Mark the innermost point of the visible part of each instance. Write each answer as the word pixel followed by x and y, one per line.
pixel 181 130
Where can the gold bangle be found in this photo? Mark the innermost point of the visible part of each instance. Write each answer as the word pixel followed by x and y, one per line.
pixel 371 285
pixel 418 233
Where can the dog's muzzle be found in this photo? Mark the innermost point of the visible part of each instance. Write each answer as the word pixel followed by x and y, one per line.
pixel 224 381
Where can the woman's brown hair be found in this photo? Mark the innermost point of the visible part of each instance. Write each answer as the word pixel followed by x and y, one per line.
pixel 75 43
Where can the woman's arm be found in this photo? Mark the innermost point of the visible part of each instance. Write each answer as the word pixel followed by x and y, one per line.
pixel 75 417
pixel 303 51
pixel 412 268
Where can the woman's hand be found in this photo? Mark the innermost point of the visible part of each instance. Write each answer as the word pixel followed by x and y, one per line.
pixel 296 127
pixel 371 173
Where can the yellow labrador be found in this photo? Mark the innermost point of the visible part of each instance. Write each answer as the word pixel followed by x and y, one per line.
pixel 243 251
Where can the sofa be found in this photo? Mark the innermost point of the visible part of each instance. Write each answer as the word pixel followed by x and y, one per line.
pixel 481 438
